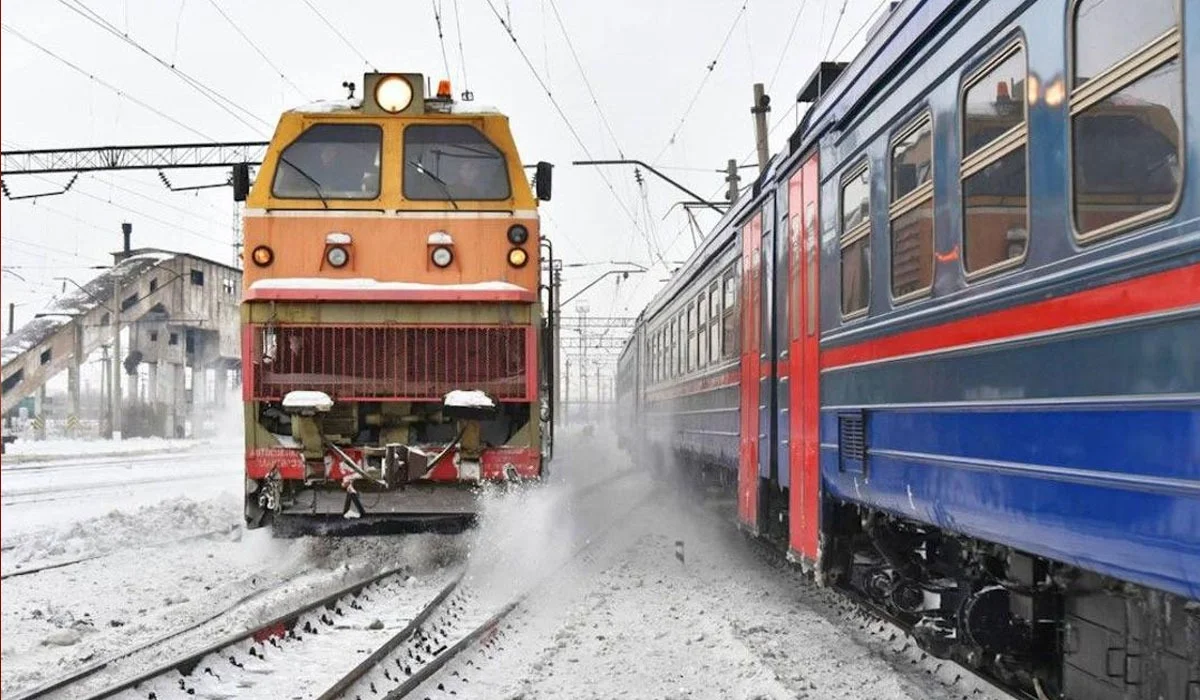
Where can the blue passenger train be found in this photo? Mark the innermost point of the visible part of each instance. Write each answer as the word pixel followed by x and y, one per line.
pixel 946 350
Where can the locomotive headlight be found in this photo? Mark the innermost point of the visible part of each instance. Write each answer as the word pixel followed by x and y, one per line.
pixel 393 94
pixel 441 256
pixel 262 256
pixel 517 257
pixel 517 234
pixel 337 256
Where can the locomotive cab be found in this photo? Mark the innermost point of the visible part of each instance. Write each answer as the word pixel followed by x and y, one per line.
pixel 391 315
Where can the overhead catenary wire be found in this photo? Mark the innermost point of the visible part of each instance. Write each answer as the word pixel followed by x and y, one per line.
pixel 99 81
pixel 257 49
pixel 437 18
pixel 586 82
pixel 786 45
pixel 224 103
pixel 562 115
pixel 462 54
pixel 836 26
pixel 866 23
pixel 704 81
pixel 341 36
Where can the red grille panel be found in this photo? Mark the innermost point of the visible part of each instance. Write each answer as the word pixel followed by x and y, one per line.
pixel 398 363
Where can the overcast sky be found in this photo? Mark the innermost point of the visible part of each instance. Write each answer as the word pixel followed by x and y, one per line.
pixel 645 60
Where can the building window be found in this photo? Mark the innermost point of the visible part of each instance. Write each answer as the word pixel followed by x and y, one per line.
pixel 995 206
pixel 12 380
pixel 731 341
pixel 173 339
pixel 1126 115
pixel 129 302
pixel 198 278
pixel 105 320
pixel 911 210
pixel 154 285
pixel 856 241
pixel 46 355
pixel 153 336
pixel 228 285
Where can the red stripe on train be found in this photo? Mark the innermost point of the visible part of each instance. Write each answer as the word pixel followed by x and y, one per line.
pixel 1161 291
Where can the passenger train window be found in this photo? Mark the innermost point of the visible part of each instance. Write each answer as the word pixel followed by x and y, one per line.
pixel 1127 114
pixel 330 161
pixel 714 322
pixel 856 241
pixel 691 335
pixel 731 341
pixel 993 171
pixel 911 210
pixel 452 162
pixel 701 330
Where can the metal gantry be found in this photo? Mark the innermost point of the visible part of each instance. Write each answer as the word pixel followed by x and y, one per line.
pixel 155 157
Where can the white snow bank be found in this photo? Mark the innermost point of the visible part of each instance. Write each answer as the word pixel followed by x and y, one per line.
pixel 440 238
pixel 364 283
pixel 316 400
pixel 469 399
pixel 326 106
pixel 337 238
pixel 27 450
pixel 121 529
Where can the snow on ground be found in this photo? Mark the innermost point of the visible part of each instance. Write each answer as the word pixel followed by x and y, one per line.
pixel 23 451
pixel 630 619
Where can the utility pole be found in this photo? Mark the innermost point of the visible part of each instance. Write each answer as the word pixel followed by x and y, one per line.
pixel 583 309
pixel 731 176
pixel 12 316
pixel 116 393
pixel 762 105
pixel 105 392
pixel 567 391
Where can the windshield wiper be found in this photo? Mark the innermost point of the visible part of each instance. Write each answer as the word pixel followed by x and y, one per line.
pixel 442 183
pixel 316 185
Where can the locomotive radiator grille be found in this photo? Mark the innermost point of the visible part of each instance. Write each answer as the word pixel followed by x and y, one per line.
pixel 389 363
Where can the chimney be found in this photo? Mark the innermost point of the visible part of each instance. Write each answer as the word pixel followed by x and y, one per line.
pixel 127 231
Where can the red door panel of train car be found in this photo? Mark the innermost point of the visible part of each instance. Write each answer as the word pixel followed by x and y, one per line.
pixel 751 325
pixel 803 242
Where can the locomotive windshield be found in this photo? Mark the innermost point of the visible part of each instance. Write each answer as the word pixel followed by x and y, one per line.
pixel 452 162
pixel 331 161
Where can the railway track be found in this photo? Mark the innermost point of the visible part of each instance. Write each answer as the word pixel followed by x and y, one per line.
pixel 364 641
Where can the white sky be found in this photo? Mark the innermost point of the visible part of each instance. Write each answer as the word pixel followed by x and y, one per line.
pixel 644 58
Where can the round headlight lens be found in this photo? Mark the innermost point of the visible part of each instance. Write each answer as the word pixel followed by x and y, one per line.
pixel 517 234
pixel 393 94
pixel 442 256
pixel 337 256
pixel 262 256
pixel 517 257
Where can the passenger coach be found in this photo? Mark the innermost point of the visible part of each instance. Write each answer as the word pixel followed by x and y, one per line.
pixel 947 348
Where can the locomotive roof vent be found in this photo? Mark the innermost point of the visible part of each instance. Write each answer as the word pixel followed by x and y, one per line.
pixel 820 81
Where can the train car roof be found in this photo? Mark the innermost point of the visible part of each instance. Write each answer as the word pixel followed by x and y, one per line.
pixel 900 34
pixel 355 104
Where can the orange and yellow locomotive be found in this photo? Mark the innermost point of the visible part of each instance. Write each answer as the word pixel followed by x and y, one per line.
pixel 391 313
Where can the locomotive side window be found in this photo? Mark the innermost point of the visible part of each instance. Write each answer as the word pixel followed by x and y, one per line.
pixel 856 241
pixel 911 210
pixel 995 205
pixel 453 162
pixel 1126 115
pixel 330 161
pixel 731 341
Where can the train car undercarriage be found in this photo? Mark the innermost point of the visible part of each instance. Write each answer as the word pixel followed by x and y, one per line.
pixel 1036 626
